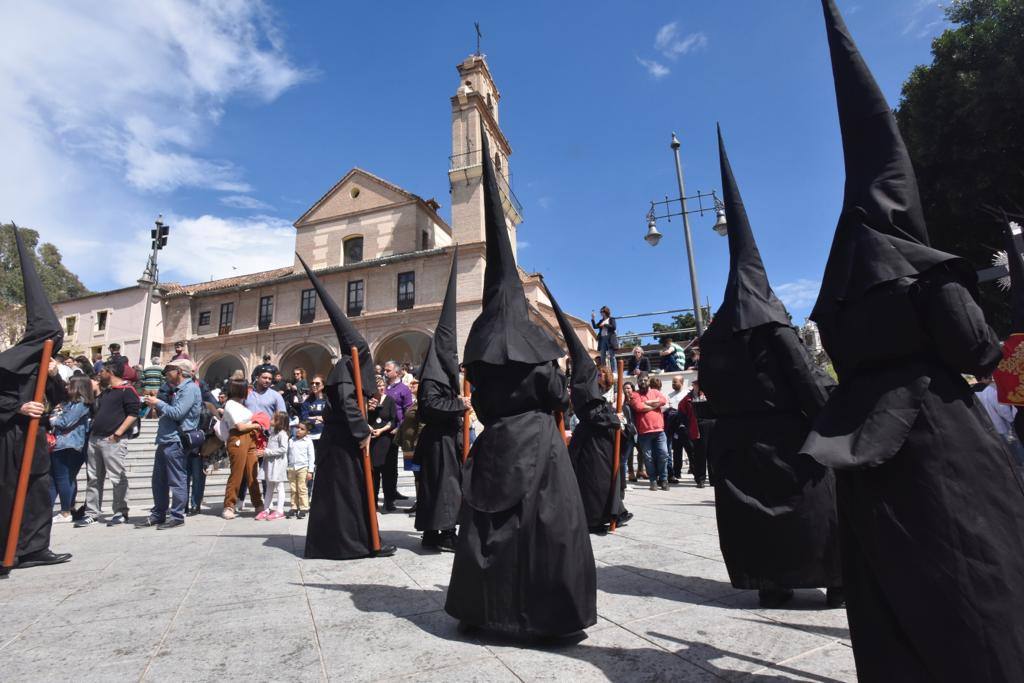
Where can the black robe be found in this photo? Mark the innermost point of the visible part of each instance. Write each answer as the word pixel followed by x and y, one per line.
pixel 592 451
pixel 439 455
pixel 523 562
pixel 931 512
pixel 776 509
pixel 338 524
pixel 38 515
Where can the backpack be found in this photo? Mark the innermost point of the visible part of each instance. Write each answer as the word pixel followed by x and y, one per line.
pixel 207 415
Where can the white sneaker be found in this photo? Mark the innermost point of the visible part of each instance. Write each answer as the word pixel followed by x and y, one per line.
pixel 61 518
pixel 228 513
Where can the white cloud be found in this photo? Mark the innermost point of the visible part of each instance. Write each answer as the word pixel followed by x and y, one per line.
pixel 924 18
pixel 798 296
pixel 671 45
pixel 655 69
pixel 114 103
pixel 522 244
pixel 242 201
pixel 545 202
pixel 202 247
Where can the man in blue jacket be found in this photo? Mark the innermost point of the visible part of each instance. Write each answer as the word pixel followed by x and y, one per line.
pixel 170 464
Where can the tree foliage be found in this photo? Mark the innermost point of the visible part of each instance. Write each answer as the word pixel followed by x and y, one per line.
pixel 59 282
pixel 962 118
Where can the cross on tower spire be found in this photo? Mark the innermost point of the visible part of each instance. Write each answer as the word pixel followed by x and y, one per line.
pixel 478 37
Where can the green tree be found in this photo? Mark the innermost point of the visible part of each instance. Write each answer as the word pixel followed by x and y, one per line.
pixel 962 118
pixel 59 282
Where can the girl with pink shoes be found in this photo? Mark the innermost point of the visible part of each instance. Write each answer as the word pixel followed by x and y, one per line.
pixel 274 470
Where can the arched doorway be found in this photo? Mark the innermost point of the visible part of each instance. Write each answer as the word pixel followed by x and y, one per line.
pixel 313 358
pixel 404 347
pixel 220 369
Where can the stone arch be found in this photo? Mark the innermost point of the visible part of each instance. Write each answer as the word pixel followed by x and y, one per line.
pixel 219 367
pixel 408 346
pixel 313 357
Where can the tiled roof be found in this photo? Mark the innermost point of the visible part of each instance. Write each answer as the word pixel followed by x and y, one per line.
pixel 228 282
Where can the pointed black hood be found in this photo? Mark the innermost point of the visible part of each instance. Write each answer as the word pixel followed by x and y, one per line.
pixel 503 332
pixel 441 363
pixel 584 372
pixel 749 300
pixel 881 235
pixel 41 324
pixel 348 336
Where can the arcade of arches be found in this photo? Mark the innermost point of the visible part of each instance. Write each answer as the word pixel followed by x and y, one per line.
pixel 221 369
pixel 404 347
pixel 313 358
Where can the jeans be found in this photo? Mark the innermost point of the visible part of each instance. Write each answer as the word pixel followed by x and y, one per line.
pixel 669 364
pixel 196 480
pixel 169 472
pixel 64 467
pixel 655 451
pixel 607 356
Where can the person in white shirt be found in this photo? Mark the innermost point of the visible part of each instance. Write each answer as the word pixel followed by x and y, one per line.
pixel 301 463
pixel 1002 416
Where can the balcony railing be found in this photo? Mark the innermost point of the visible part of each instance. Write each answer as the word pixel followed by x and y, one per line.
pixel 474 158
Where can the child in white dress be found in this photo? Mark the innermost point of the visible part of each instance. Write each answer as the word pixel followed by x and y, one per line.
pixel 275 467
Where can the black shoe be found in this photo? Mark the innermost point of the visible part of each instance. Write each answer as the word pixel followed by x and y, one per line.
pixel 663 485
pixel 41 558
pixel 85 521
pixel 412 510
pixel 385 551
pixel 399 496
pixel 431 540
pixel 623 518
pixel 673 480
pixel 701 484
pixel 389 507
pixel 835 597
pixel 291 514
pixel 447 542
pixel 170 524
pixel 301 514
pixel 598 530
pixel 148 522
pixel 192 511
pixel 771 598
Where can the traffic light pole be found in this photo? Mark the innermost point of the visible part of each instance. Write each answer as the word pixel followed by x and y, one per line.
pixel 159 235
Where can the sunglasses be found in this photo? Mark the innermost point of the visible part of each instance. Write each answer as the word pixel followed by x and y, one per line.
pixel 317 384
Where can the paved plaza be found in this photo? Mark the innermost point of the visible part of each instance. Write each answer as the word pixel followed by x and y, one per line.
pixel 220 599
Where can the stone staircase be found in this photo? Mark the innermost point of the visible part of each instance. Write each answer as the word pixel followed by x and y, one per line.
pixel 139 465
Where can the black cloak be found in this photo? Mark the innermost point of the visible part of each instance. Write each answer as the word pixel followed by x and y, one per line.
pixel 931 515
pixel 19 368
pixel 592 447
pixel 775 507
pixel 438 406
pixel 523 562
pixel 338 526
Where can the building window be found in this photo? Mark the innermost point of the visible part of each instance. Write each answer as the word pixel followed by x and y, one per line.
pixel 69 324
pixel 204 318
pixel 307 311
pixel 424 240
pixel 266 311
pixel 101 321
pixel 227 316
pixel 406 290
pixel 353 248
pixel 355 298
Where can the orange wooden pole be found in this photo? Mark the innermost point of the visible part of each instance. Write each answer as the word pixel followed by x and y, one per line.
pixel 616 453
pixel 27 455
pixel 367 466
pixel 466 424
pixel 560 419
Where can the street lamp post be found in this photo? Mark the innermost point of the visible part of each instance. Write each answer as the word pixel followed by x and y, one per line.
pixel 152 278
pixel 653 236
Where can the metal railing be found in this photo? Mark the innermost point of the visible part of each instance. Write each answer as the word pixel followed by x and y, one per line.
pixel 474 158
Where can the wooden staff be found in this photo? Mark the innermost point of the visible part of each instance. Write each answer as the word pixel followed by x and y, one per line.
pixel 27 455
pixel 560 419
pixel 616 453
pixel 367 466
pixel 466 422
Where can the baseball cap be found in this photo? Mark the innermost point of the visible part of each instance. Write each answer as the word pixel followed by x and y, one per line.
pixel 181 364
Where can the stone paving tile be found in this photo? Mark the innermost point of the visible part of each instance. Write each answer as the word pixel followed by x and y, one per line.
pixel 625 596
pixel 726 641
pixel 706 578
pixel 830 663
pixel 806 612
pixel 487 669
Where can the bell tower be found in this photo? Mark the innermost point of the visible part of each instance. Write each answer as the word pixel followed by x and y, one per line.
pixel 475 107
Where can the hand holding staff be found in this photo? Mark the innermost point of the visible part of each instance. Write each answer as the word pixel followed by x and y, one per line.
pixel 466 423
pixel 616 456
pixel 367 466
pixel 27 455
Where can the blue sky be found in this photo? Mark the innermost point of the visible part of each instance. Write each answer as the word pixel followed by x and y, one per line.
pixel 232 120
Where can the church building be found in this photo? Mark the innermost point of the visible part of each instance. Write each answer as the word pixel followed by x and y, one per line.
pixel 383 252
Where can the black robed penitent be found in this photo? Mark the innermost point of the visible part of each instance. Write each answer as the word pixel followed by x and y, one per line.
pixel 338 527
pixel 931 515
pixel 775 507
pixel 438 406
pixel 592 447
pixel 523 562
pixel 19 368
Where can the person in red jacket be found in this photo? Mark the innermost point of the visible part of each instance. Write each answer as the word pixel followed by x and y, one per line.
pixel 688 419
pixel 646 403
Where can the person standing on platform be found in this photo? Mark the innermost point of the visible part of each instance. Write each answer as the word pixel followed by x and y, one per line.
pixel 776 508
pixel 19 369
pixel 591 449
pixel 440 407
pixel 338 527
pixel 523 561
pixel 931 513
